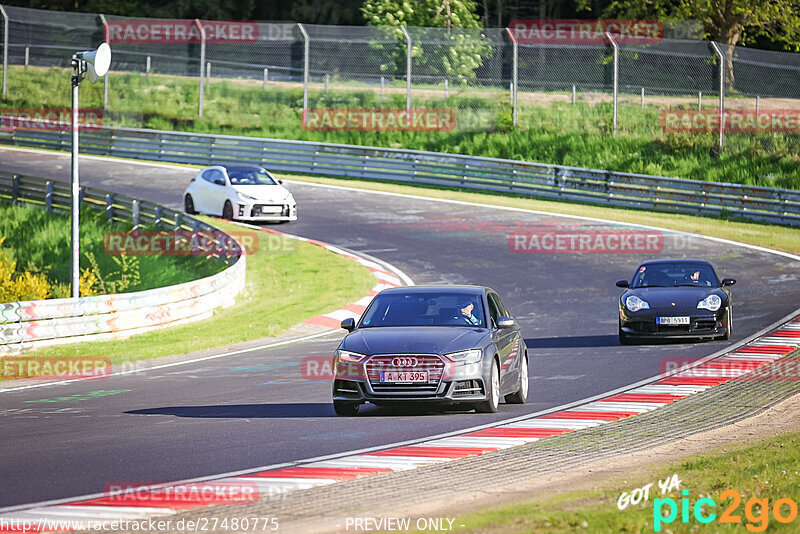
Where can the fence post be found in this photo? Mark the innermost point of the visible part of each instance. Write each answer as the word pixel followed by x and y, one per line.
pixel 616 76
pixel 445 87
pixel 208 72
pixel 135 214
pixel 48 197
pixel 27 56
pixel 642 97
pixel 202 63
pixel 5 51
pixel 408 67
pixel 327 79
pixel 110 207
pixel 573 93
pixel 514 76
pixel 106 37
pixel 147 67
pixel 758 104
pixel 699 100
pixel 721 94
pixel 266 76
pixel 306 52
pixel 382 82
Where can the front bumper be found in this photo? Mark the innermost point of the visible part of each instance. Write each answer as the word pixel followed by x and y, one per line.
pixel 255 211
pixel 449 383
pixel 703 325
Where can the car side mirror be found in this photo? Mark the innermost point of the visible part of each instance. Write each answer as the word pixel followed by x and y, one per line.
pixel 219 182
pixel 280 182
pixel 728 282
pixel 622 283
pixel 506 322
pixel 349 324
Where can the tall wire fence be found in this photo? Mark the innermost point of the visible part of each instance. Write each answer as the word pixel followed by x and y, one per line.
pixel 471 72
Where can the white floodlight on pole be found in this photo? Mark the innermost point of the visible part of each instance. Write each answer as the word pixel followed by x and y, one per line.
pixel 95 63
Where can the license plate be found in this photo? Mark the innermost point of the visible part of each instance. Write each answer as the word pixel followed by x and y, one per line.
pixel 404 376
pixel 672 320
pixel 271 209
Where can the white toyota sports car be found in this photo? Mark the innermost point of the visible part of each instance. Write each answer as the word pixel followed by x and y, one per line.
pixel 240 192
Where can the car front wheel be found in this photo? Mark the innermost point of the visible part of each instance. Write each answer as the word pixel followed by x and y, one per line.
pixel 492 402
pixel 345 408
pixel 227 210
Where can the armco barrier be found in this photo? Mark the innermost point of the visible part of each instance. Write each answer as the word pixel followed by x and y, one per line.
pixel 57 321
pixel 608 188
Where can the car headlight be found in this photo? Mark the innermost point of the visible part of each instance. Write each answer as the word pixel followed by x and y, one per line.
pixel 634 303
pixel 466 357
pixel 350 357
pixel 244 197
pixel 710 303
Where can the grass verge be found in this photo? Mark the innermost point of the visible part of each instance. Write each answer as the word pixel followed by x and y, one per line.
pixel 548 131
pixel 287 282
pixel 782 238
pixel 765 471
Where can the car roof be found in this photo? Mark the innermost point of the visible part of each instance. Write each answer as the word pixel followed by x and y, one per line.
pixel 658 262
pixel 446 289
pixel 240 167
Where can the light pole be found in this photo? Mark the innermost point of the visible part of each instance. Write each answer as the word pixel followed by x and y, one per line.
pixel 95 63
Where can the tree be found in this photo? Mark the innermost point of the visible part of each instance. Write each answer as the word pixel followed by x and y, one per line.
pixel 455 53
pixel 730 22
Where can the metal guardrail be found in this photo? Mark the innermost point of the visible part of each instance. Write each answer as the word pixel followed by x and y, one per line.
pixel 609 188
pixel 55 321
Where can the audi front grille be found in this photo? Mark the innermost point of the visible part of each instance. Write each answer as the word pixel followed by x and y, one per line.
pixel 433 364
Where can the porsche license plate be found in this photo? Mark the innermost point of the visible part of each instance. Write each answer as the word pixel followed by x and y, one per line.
pixel 404 376
pixel 672 320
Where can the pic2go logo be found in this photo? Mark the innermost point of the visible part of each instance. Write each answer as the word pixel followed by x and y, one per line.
pixel 756 511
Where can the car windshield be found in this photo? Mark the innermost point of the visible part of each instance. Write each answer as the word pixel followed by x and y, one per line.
pixel 678 274
pixel 250 177
pixel 425 309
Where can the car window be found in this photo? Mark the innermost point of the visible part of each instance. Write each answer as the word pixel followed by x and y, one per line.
pixel 501 308
pixel 424 309
pixel 211 175
pixel 251 177
pixel 675 274
pixel 494 311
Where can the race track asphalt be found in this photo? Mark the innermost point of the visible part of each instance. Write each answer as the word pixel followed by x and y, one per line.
pixel 257 409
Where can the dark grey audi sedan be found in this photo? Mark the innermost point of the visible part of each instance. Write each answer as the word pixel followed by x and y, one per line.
pixel 434 344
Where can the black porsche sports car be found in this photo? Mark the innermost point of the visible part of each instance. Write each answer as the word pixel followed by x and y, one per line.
pixel 433 344
pixel 675 299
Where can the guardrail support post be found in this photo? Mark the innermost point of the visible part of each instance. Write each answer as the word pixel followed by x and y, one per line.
pixel 48 197
pixel 616 75
pixel 157 217
pixel 408 67
pixel 14 189
pixel 514 76
pixel 177 221
pixel 202 63
pixel 721 94
pixel 135 214
pixel 110 207
pixel 306 52
pixel 5 51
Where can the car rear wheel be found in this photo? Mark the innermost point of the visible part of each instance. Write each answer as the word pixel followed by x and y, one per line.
pixel 188 205
pixel 227 210
pixel 522 393
pixel 492 402
pixel 345 408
